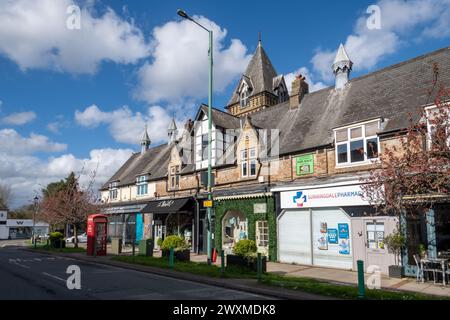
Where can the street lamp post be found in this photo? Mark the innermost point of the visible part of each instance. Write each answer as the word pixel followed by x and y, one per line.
pixel 34 220
pixel 184 15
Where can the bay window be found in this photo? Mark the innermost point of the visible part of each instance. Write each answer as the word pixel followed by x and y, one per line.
pixel 357 144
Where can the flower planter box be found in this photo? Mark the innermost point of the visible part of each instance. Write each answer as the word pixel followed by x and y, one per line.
pixel 57 244
pixel 234 260
pixel 184 255
pixel 396 272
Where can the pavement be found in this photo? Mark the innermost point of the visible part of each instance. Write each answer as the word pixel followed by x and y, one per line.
pixel 33 275
pixel 347 277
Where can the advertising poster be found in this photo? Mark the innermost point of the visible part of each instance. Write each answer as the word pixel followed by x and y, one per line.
pixel 344 246
pixel 343 230
pixel 333 236
pixel 322 240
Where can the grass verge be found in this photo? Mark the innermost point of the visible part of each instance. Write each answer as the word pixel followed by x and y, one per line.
pixel 62 250
pixel 308 285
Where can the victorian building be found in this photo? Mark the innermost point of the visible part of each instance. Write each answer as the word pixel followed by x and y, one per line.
pixel 287 167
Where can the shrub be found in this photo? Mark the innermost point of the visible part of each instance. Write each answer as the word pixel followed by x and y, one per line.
pixel 175 242
pixel 395 243
pixel 245 247
pixel 159 242
pixel 56 236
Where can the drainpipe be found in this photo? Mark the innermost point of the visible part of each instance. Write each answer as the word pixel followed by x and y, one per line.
pixel 197 225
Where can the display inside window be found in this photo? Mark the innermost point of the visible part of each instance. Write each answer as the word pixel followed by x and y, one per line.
pixel 375 235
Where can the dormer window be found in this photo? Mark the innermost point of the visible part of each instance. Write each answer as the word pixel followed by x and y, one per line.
pixel 113 190
pixel 245 94
pixel 358 144
pixel 142 185
pixel 282 94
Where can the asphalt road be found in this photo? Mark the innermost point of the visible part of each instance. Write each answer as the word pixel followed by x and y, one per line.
pixel 29 275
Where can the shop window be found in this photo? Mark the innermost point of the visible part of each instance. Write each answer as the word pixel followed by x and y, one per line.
pixel 262 234
pixel 417 233
pixel 375 235
pixel 142 185
pixel 358 144
pixel 442 225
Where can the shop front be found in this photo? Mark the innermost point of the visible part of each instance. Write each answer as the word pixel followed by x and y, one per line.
pixel 331 226
pixel 176 216
pixel 125 221
pixel 246 216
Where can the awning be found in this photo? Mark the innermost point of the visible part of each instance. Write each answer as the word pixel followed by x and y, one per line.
pixel 166 206
pixel 123 209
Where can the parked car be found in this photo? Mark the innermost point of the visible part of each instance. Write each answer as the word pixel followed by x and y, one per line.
pixel 81 238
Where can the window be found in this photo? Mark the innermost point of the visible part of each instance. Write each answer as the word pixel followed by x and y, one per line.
pixel 204 150
pixel 248 162
pixel 358 144
pixel 437 129
pixel 375 235
pixel 262 237
pixel 174 177
pixel 113 191
pixel 244 97
pixel 142 185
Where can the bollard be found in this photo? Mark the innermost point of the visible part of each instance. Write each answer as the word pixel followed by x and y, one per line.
pixel 259 266
pixel 171 258
pixel 133 248
pixel 361 286
pixel 222 262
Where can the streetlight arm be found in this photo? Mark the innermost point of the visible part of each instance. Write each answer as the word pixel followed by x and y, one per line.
pixel 184 15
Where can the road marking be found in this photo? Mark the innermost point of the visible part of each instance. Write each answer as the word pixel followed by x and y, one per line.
pixel 37 259
pixel 54 277
pixel 15 261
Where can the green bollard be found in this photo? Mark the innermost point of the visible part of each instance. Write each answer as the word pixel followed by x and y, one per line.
pixel 222 262
pixel 171 258
pixel 259 266
pixel 361 286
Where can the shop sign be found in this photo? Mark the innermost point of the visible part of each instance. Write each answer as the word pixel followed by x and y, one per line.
pixel 260 208
pixel 333 236
pixel 323 197
pixel 304 164
pixel 208 203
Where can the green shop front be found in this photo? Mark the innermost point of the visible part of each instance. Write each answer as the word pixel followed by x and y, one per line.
pixel 245 216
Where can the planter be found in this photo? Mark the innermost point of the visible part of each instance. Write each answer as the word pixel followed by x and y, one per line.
pixel 184 255
pixel 396 272
pixel 146 248
pixel 57 244
pixel 234 260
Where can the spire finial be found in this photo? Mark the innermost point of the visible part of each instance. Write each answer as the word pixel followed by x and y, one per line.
pixel 259 38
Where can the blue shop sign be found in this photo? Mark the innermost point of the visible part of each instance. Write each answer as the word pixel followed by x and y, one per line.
pixel 333 236
pixel 343 230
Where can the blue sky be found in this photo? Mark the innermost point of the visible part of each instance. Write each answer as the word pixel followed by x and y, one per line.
pixel 78 99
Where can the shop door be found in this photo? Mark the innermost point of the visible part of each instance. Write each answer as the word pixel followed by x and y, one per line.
pixel 331 236
pixel 294 237
pixel 376 252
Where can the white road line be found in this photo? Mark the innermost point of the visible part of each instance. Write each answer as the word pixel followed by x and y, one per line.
pixel 18 264
pixel 54 277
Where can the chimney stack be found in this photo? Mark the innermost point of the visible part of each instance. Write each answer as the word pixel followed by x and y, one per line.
pixel 299 89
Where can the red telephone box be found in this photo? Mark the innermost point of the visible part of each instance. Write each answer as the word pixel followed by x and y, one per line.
pixel 97 231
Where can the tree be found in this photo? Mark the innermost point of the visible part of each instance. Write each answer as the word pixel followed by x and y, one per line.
pixel 416 173
pixel 66 203
pixel 5 195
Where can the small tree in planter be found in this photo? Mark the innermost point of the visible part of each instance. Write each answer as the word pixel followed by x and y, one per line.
pixel 181 248
pixel 56 240
pixel 245 255
pixel 395 243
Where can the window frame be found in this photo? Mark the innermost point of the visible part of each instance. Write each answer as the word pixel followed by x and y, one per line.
pixel 247 160
pixel 349 140
pixel 431 128
pixel 376 240
pixel 141 186
pixel 262 225
pixel 174 177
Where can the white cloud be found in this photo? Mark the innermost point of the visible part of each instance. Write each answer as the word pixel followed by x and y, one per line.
pixel 313 86
pixel 127 126
pixel 27 174
pixel 12 142
pixel 19 118
pixel 401 21
pixel 33 33
pixel 179 68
